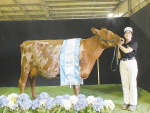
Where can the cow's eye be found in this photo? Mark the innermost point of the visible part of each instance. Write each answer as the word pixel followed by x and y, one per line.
pixel 106 33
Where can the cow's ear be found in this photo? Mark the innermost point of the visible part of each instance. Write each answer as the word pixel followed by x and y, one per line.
pixel 95 31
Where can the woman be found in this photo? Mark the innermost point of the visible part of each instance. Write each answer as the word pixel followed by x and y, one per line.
pixel 128 70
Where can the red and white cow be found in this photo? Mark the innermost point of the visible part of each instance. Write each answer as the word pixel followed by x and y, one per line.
pixel 42 57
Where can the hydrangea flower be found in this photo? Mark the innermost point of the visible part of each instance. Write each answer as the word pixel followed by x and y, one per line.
pixel 13 97
pixel 3 101
pixel 26 104
pixel 91 99
pixel 43 96
pixel 66 96
pixel 80 96
pixel 73 99
pixel 11 105
pixel 100 100
pixel 12 100
pixel 109 104
pixel 59 100
pixel 23 97
pixel 97 106
pixel 35 104
pixel 50 103
pixel 24 101
pixel 66 104
pixel 42 102
pixel 81 104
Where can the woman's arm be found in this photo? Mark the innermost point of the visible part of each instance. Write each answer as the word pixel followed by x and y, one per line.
pixel 125 50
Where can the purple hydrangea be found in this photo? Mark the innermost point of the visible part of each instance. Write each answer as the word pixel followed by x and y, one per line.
pixel 81 104
pixel 66 96
pixel 50 103
pixel 59 100
pixel 3 101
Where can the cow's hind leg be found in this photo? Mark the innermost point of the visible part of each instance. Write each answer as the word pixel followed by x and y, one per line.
pixel 33 75
pixel 22 81
pixel 32 83
pixel 25 69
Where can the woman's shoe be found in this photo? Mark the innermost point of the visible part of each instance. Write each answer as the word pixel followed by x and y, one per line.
pixel 125 106
pixel 132 107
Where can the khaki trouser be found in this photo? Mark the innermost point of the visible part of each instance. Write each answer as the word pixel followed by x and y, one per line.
pixel 128 71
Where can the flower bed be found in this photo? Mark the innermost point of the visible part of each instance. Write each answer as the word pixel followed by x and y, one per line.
pixel 22 103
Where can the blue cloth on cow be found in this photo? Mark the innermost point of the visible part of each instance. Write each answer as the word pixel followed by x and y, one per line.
pixel 69 62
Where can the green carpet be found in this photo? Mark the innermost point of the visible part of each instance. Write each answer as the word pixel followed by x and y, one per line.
pixel 107 91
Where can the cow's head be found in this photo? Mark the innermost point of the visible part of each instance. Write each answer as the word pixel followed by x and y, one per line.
pixel 108 38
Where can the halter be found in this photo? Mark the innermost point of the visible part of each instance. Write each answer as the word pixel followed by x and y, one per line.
pixel 112 41
pixel 115 50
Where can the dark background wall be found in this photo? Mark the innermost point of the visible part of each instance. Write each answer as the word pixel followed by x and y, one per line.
pixel 140 21
pixel 13 33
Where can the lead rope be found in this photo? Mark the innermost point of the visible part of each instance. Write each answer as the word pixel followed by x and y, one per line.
pixel 115 54
pixel 115 51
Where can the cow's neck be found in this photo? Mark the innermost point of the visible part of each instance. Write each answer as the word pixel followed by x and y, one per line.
pixel 97 46
pixel 93 49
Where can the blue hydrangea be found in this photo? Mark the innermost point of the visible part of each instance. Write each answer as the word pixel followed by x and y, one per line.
pixel 66 96
pixel 81 96
pixel 97 106
pixel 81 104
pixel 35 104
pixel 50 103
pixel 3 101
pixel 23 97
pixel 59 100
pixel 26 104
pixel 43 96
pixel 100 100
pixel 24 101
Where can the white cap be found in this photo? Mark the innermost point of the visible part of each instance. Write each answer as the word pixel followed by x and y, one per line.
pixel 128 29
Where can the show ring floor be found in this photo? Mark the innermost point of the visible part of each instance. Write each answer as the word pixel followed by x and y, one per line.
pixel 105 91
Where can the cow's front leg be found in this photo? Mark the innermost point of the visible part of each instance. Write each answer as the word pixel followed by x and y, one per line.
pixel 76 89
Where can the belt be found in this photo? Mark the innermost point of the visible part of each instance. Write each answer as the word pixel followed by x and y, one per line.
pixel 125 59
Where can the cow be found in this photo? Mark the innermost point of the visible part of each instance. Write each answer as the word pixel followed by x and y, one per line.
pixel 42 57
